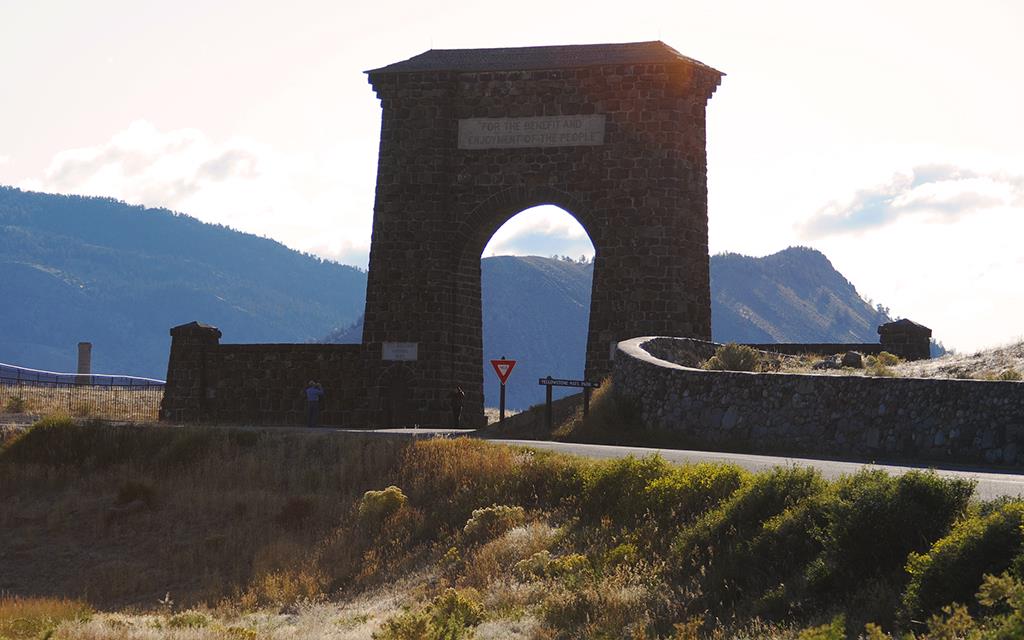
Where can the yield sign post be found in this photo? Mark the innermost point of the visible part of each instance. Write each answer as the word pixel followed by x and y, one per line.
pixel 503 367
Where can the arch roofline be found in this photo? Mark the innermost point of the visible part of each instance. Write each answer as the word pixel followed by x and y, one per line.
pixel 544 57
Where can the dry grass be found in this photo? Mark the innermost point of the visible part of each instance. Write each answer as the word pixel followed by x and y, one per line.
pixel 1004 363
pixel 23 618
pixel 188 533
pixel 215 523
pixel 111 403
pixel 988 364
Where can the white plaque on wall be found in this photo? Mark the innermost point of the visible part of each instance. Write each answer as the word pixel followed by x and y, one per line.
pixel 403 351
pixel 540 131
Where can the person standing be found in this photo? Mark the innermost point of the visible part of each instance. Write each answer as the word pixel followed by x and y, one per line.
pixel 314 394
pixel 456 398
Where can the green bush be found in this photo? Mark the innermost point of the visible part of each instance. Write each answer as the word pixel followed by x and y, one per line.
pixel 834 630
pixel 1010 375
pixel 375 506
pixel 490 522
pixel 449 617
pixel 745 513
pixel 684 493
pixel 953 568
pixel 188 620
pixel 903 514
pixel 734 357
pixel 617 489
pixel 755 539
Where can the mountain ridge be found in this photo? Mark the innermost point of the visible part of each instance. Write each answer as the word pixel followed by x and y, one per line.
pixel 119 276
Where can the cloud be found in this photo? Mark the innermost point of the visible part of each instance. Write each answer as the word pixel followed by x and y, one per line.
pixel 941 193
pixel 4 159
pixel 545 230
pixel 298 200
pixel 146 166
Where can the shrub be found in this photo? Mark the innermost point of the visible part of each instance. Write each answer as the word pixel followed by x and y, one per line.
pixel 904 514
pixel 498 556
pixel 188 620
pixel 616 489
pixel 684 493
pixel 453 611
pixel 284 588
pixel 455 476
pixel 953 568
pixel 754 539
pixel 16 404
pixel 887 359
pixel 375 506
pixel 734 357
pixel 449 617
pixel 834 630
pixel 1009 375
pixel 490 522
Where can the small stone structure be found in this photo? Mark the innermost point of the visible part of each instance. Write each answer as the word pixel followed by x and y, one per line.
pixel 614 134
pixel 952 421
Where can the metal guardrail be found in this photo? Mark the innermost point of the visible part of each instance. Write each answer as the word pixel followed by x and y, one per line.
pixel 111 397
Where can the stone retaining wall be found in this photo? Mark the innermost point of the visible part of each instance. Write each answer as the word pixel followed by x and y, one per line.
pixel 951 421
pixel 262 384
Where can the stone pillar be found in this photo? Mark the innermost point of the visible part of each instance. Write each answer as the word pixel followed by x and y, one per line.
pixel 185 394
pixel 906 339
pixel 84 363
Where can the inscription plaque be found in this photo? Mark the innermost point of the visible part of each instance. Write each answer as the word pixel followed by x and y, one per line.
pixel 540 131
pixel 400 351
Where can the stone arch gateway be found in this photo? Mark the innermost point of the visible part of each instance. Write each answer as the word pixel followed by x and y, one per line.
pixel 612 133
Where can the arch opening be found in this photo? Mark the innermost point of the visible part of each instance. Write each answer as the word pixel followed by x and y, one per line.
pixel 542 259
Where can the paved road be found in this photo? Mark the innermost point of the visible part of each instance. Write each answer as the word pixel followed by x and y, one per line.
pixel 990 485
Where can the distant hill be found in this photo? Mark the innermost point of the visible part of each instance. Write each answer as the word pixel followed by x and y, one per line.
pixel 95 269
pixel 795 295
pixel 119 276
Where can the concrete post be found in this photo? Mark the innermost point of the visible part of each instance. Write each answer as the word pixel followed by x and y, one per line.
pixel 84 363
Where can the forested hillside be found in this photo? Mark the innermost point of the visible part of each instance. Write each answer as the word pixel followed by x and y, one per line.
pixel 119 276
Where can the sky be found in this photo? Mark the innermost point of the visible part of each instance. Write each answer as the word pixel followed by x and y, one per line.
pixel 888 135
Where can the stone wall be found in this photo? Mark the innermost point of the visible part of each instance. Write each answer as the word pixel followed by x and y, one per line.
pixel 949 421
pixel 262 384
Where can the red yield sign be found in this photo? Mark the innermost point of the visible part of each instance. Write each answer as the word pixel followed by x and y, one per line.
pixel 503 368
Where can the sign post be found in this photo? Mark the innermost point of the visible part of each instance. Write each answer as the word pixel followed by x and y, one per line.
pixel 549 382
pixel 503 368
